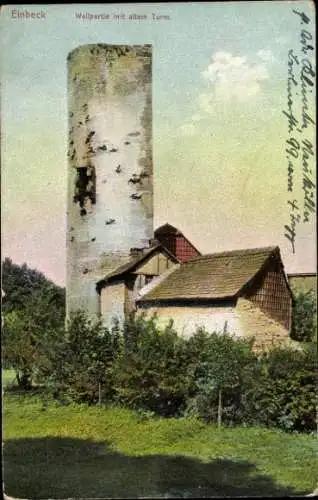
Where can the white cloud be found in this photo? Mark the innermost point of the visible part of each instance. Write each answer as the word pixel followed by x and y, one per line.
pixel 230 78
pixel 206 102
pixel 233 77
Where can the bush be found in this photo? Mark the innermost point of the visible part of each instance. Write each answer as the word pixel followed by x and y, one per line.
pixel 150 373
pixel 219 372
pixel 284 393
pixel 304 317
pixel 82 365
pixel 29 334
pixel 229 384
pixel 211 376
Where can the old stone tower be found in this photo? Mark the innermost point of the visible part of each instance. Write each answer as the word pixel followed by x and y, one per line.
pixel 110 173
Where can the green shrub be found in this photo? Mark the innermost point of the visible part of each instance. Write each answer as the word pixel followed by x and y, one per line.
pixel 82 369
pixel 284 393
pixel 304 317
pixel 211 376
pixel 150 373
pixel 29 334
pixel 219 371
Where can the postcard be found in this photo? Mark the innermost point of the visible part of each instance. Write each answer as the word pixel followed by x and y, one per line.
pixel 159 158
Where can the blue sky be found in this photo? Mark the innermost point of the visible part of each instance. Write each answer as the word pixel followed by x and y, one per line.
pixel 219 88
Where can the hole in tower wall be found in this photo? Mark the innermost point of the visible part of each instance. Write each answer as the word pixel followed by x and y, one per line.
pixel 85 187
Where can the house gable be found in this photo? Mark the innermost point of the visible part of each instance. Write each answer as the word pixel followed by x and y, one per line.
pixel 269 290
pixel 156 264
pixel 126 281
pixel 266 331
pixel 145 257
pixel 143 274
pixel 172 239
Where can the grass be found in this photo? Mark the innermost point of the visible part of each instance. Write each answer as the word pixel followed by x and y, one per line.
pixel 8 378
pixel 78 451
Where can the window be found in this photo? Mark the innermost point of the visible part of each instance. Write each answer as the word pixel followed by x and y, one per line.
pixel 142 280
pixel 148 279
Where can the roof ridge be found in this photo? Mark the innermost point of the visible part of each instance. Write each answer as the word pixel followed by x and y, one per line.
pixel 168 226
pixel 212 276
pixel 229 253
pixel 134 261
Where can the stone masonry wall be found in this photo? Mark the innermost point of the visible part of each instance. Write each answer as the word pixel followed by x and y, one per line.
pixel 267 332
pixel 110 172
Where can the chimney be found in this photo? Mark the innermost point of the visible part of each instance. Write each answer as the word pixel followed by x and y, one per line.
pixel 153 242
pixel 136 252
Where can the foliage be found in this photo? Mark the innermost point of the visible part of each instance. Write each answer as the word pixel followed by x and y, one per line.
pixel 150 373
pixel 34 311
pixel 8 378
pixel 21 283
pixel 29 333
pixel 219 373
pixel 19 348
pixel 304 318
pixel 284 393
pixel 211 376
pixel 82 366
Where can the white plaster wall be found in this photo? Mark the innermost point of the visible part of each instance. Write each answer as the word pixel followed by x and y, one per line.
pixel 112 303
pixel 245 320
pixel 188 318
pixel 114 91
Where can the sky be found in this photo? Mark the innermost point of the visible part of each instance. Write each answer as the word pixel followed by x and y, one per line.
pixel 220 86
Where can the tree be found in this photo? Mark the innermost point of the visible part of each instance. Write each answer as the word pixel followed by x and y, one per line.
pixel 285 392
pixel 34 309
pixel 219 372
pixel 20 283
pixel 18 348
pixel 304 317
pixel 150 373
pixel 82 365
pixel 29 334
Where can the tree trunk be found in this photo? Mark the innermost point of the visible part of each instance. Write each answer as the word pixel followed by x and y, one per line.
pixel 220 409
pixel 24 381
pixel 99 393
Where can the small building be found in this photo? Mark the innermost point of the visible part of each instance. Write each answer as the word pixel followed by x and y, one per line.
pixel 118 290
pixel 243 292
